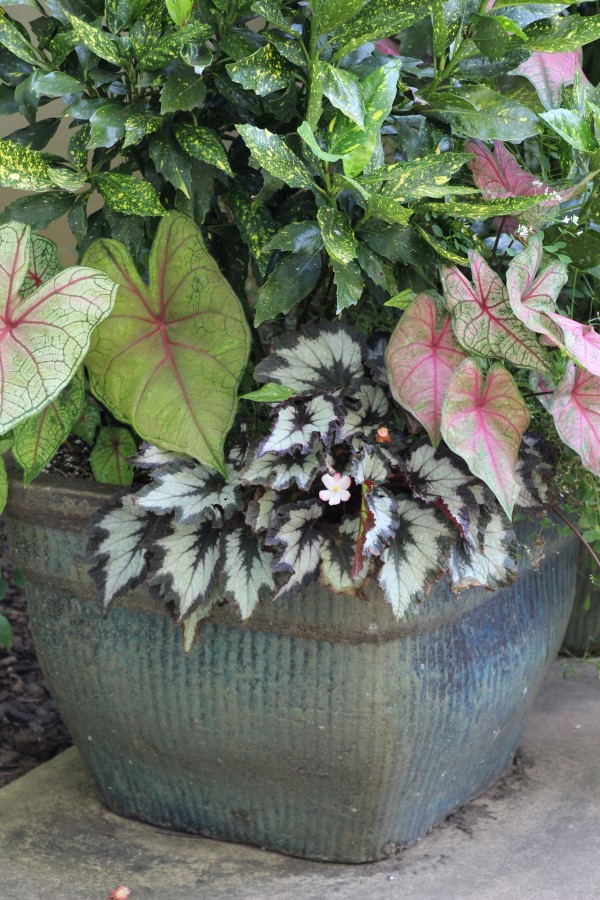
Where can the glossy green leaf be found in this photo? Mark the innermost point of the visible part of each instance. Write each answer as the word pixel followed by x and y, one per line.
pixel 172 164
pixel 160 49
pixel 204 144
pixel 5 627
pixel 23 169
pixel 107 125
pixel 38 210
pixel 263 72
pixel 138 126
pixel 389 209
pixel 254 223
pixel 378 19
pixel 96 40
pixel 307 135
pixel 270 393
pixel 563 34
pixel 427 176
pixel 337 233
pixel 128 195
pixel 292 279
pixel 87 422
pixel 335 12
pixel 180 11
pixel 271 11
pixel 493 117
pixel 349 283
pixel 297 237
pixel 572 128
pixel 272 154
pixel 110 456
pixel 491 36
pixel 182 338
pixel 38 439
pixel 344 91
pixel 402 300
pixel 503 207
pixel 183 90
pixel 55 84
pixel 17 43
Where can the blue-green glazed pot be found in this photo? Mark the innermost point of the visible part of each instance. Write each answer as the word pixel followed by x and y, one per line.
pixel 583 631
pixel 322 727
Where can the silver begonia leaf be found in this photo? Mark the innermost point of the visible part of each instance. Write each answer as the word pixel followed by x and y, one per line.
pixel 260 511
pixel 415 557
pixel 373 462
pixel 493 563
pixel 117 547
pixel 299 425
pixel 297 536
pixel 193 492
pixel 320 359
pixel 534 472
pixel 248 574
pixel 280 472
pixel 366 414
pixel 382 518
pixel 337 556
pixel 151 457
pixel 190 558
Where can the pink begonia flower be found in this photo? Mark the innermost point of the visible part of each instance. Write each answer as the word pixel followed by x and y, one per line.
pixel 337 489
pixel 120 893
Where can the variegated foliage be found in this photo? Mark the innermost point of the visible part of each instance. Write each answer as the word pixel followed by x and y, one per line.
pixel 267 529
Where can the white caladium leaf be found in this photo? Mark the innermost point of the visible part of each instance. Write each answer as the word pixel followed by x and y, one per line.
pixel 372 462
pixel 483 421
pixel 190 558
pixel 194 493
pixel 44 264
pixel 421 358
pixel 248 576
pixel 444 481
pixel 532 296
pixel 320 359
pixel 45 335
pixel 576 410
pixel 259 513
pixel 367 409
pixel 299 425
pixel 118 548
pixel 337 557
pixel 483 320
pixel 151 457
pixel 280 472
pixel 415 557
pixel 296 534
pixel 492 563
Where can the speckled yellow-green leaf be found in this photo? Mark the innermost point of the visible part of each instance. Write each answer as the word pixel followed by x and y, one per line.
pixel 23 169
pixel 203 144
pixel 337 234
pixel 138 126
pixel 96 40
pixel 38 439
pixel 561 35
pixel 129 196
pixel 423 177
pixel 348 283
pixel 263 72
pixel 335 12
pixel 158 52
pixel 388 209
pixel 109 458
pixel 67 180
pixel 379 19
pixel 254 223
pixel 272 154
pixel 344 91
pixel 492 208
pixel 77 151
pixel 270 10
pixel 13 40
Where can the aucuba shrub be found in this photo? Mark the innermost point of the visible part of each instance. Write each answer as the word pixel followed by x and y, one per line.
pixel 337 260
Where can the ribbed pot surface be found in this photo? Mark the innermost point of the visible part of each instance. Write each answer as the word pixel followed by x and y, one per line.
pixel 583 630
pixel 322 727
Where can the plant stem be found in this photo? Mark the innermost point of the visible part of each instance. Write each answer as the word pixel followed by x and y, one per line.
pixel 579 535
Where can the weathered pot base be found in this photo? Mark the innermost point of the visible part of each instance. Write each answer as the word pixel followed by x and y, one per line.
pixel 322 728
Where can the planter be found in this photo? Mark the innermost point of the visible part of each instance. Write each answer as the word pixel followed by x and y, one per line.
pixel 321 728
pixel 583 632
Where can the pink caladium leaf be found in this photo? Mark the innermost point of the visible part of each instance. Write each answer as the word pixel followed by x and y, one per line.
pixel 576 410
pixel 483 421
pixel 533 296
pixel 483 320
pixel 421 358
pixel 549 73
pixel 44 336
pixel 497 173
pixel 582 342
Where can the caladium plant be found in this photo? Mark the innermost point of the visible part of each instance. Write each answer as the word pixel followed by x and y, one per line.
pixel 309 256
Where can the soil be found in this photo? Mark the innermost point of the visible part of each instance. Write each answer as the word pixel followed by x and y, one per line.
pixel 31 730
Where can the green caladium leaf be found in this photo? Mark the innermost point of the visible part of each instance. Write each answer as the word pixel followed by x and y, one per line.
pixel 572 128
pixel 23 169
pixel 272 154
pixel 37 440
pixel 182 337
pixel 378 19
pixel 204 144
pixel 128 195
pixel 17 43
pixel 182 90
pixel 46 334
pixel 110 456
pixel 344 91
pixel 337 234
pixel 292 279
pixel 87 422
pixel 173 165
pixel 263 72
pixel 96 40
pixel 349 284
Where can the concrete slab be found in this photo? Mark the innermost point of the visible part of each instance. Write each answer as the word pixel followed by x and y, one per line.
pixel 534 836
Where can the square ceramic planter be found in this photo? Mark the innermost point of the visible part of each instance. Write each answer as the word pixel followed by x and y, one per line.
pixel 322 727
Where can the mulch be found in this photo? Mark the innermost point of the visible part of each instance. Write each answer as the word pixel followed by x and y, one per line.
pixel 31 730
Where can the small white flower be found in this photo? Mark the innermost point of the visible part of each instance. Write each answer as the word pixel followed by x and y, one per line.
pixel 522 232
pixel 537 183
pixel 337 489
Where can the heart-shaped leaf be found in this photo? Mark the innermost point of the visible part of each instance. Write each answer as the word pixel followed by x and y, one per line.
pixel 483 420
pixel 532 296
pixel 483 320
pixel 421 358
pixel 182 338
pixel 44 264
pixel 497 173
pixel 549 73
pixel 581 341
pixel 44 336
pixel 576 410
